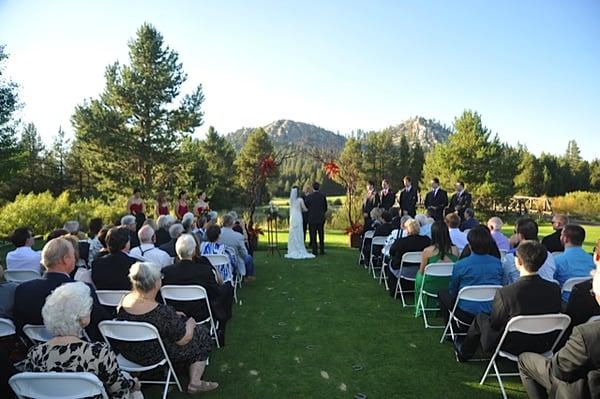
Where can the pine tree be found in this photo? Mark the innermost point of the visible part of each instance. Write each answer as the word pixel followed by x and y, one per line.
pixel 219 156
pixel 33 149
pixel 132 132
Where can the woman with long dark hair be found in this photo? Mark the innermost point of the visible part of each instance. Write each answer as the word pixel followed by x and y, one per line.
pixel 162 204
pixel 135 204
pixel 441 250
pixel 181 205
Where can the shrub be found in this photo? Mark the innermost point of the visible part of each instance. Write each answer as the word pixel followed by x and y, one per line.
pixel 339 217
pixel 581 204
pixel 337 202
pixel 43 212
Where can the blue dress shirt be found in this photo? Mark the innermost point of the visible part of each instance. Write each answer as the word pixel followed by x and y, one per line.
pixel 574 262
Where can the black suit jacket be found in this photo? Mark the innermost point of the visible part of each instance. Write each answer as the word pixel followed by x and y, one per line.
pixel 30 297
pixel 530 295
pixel 437 202
pixel 413 243
pixel 111 272
pixel 408 201
pixel 552 242
pixel 460 203
pixel 162 237
pixel 582 305
pixel 317 206
pixel 370 203
pixel 575 370
pixel 169 247
pixel 383 230
pixel 187 272
pixel 386 201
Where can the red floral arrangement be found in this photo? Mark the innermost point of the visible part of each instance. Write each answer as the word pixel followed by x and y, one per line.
pixel 331 169
pixel 356 228
pixel 267 166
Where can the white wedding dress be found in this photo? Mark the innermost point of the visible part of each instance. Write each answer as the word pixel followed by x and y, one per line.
pixel 296 248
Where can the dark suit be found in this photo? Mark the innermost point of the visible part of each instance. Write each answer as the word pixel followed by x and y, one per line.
pixel 304 218
pixel 162 237
pixel 201 273
pixel 408 201
pixel 552 242
pixel 437 202
pixel 30 297
pixel 582 305
pixel 412 243
pixel 459 202
pixel 386 201
pixel 317 206
pixel 530 295
pixel 111 272
pixel 573 372
pixel 169 247
pixel 134 241
pixel 368 205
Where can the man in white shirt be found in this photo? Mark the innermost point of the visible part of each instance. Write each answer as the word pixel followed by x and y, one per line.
pixel 147 252
pixel 458 238
pixel 23 257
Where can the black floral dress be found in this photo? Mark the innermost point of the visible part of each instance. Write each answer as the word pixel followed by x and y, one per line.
pixel 171 328
pixel 93 357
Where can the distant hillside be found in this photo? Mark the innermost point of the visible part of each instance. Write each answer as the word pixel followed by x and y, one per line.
pixel 287 132
pixel 427 131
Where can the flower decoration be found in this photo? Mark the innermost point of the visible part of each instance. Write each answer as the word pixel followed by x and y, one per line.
pixel 267 166
pixel 331 169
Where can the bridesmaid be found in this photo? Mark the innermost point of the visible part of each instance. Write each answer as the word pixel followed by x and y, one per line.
pixel 135 204
pixel 181 205
pixel 162 205
pixel 201 205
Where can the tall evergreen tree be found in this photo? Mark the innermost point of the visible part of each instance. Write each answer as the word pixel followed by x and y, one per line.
pixel 219 156
pixel 530 180
pixel 134 129
pixel 33 149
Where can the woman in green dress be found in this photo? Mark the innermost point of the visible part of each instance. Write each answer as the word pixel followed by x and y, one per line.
pixel 440 250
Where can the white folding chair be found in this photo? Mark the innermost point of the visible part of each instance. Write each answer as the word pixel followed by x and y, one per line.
pixel 475 293
pixel 111 298
pixel 593 318
pixel 412 258
pixel 134 331
pixel 37 333
pixel 54 385
pixel 432 270
pixel 570 283
pixel 191 293
pixel 7 327
pixel 20 276
pixel 223 259
pixel 533 325
pixel 378 241
pixel 366 235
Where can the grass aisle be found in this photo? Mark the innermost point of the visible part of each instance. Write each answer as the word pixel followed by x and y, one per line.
pixel 324 329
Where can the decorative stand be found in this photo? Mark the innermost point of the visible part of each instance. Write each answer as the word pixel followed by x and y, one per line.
pixel 272 233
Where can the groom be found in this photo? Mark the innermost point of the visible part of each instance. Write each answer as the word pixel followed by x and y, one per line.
pixel 317 206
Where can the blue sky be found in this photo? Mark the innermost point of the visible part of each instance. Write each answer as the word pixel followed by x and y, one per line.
pixel 531 69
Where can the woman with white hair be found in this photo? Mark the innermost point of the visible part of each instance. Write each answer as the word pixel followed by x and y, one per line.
pixel 66 312
pixel 185 342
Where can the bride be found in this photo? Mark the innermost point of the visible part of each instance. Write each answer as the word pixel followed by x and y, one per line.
pixel 296 248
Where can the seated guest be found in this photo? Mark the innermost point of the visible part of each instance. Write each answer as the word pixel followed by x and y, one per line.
pixel 479 268
pixel 175 231
pixel 413 242
pixel 190 272
pixel 65 313
pixel 574 371
pixel 235 240
pixel 164 222
pixel 186 342
pixel 425 223
pixel 582 305
pixel 470 220
pixel 129 221
pixel 553 242
pixel 395 212
pixel 495 226
pixel 386 227
pixel 375 219
pixel 526 229
pixel 58 258
pixel 7 296
pixel 95 244
pixel 23 257
pixel 459 239
pixel 531 295
pixel 187 221
pixel 150 222
pixel 111 272
pixel 212 247
pixel 574 262
pixel 147 252
pixel 102 239
pixel 56 233
pixel 83 252
pixel 441 250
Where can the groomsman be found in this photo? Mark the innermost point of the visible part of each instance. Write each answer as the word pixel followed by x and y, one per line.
pixel 407 198
pixel 371 201
pixel 386 196
pixel 436 200
pixel 460 200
